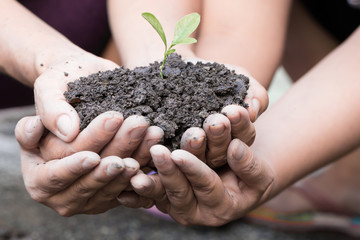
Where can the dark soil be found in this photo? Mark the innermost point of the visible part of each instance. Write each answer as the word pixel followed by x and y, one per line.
pixel 184 98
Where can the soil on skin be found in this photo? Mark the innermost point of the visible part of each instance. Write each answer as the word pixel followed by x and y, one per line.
pixel 184 98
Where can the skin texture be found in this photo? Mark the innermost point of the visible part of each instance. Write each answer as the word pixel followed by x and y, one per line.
pixel 80 181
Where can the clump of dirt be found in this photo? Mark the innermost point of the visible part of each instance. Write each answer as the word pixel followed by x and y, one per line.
pixel 186 95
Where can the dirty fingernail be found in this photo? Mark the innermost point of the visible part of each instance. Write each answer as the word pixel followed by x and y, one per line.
pixel 114 169
pixel 197 143
pixel 64 125
pixel 217 129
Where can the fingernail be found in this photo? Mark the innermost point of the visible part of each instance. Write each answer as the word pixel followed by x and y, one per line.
pixel 112 124
pixel 113 169
pixel 64 125
pixel 30 125
pixel 137 133
pixel 235 118
pixel 122 200
pixel 256 106
pixel 90 163
pixel 239 153
pixel 197 143
pixel 217 129
pixel 130 165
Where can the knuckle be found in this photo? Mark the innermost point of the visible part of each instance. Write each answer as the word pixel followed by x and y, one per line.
pixel 81 189
pixel 207 187
pixel 251 167
pixel 178 193
pixel 108 195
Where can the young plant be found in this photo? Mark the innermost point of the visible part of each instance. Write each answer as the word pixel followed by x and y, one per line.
pixel 183 28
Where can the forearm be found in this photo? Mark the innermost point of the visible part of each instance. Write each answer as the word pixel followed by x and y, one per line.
pixel 317 120
pixel 137 42
pixel 27 44
pixel 249 34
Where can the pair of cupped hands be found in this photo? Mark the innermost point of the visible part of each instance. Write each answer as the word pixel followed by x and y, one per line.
pixel 214 178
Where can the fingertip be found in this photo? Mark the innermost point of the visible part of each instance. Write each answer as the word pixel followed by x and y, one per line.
pixel 67 127
pixel 180 156
pixel 158 150
pixel 87 159
pixel 131 164
pixel 141 183
pixel 236 150
pixel 28 131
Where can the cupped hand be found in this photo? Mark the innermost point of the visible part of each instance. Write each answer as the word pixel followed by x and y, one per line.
pixel 72 180
pixel 194 194
pixel 57 115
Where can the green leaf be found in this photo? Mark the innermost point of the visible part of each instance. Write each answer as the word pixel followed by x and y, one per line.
pixel 187 41
pixel 156 25
pixel 170 51
pixel 185 26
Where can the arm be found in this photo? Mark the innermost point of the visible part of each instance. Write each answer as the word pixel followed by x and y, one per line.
pixel 37 55
pixel 250 34
pixel 317 120
pixel 137 42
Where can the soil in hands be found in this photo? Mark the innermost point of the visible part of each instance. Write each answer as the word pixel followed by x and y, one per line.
pixel 186 95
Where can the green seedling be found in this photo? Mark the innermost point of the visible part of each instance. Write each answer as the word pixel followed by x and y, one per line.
pixel 184 27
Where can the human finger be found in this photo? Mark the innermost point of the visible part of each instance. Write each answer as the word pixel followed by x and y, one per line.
pixel 93 138
pixel 84 188
pixel 117 185
pixel 44 179
pixel 57 115
pixel 194 141
pixel 28 132
pixel 206 184
pixel 152 137
pixel 256 174
pixel 149 186
pixel 133 200
pixel 128 138
pixel 218 132
pixel 241 126
pixel 177 187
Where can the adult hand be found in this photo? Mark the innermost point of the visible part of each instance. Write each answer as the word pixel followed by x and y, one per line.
pixel 194 194
pixel 57 115
pixel 79 181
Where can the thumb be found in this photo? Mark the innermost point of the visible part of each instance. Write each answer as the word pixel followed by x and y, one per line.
pixel 28 132
pixel 253 171
pixel 56 114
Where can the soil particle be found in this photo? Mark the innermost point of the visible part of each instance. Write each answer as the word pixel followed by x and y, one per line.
pixel 184 98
